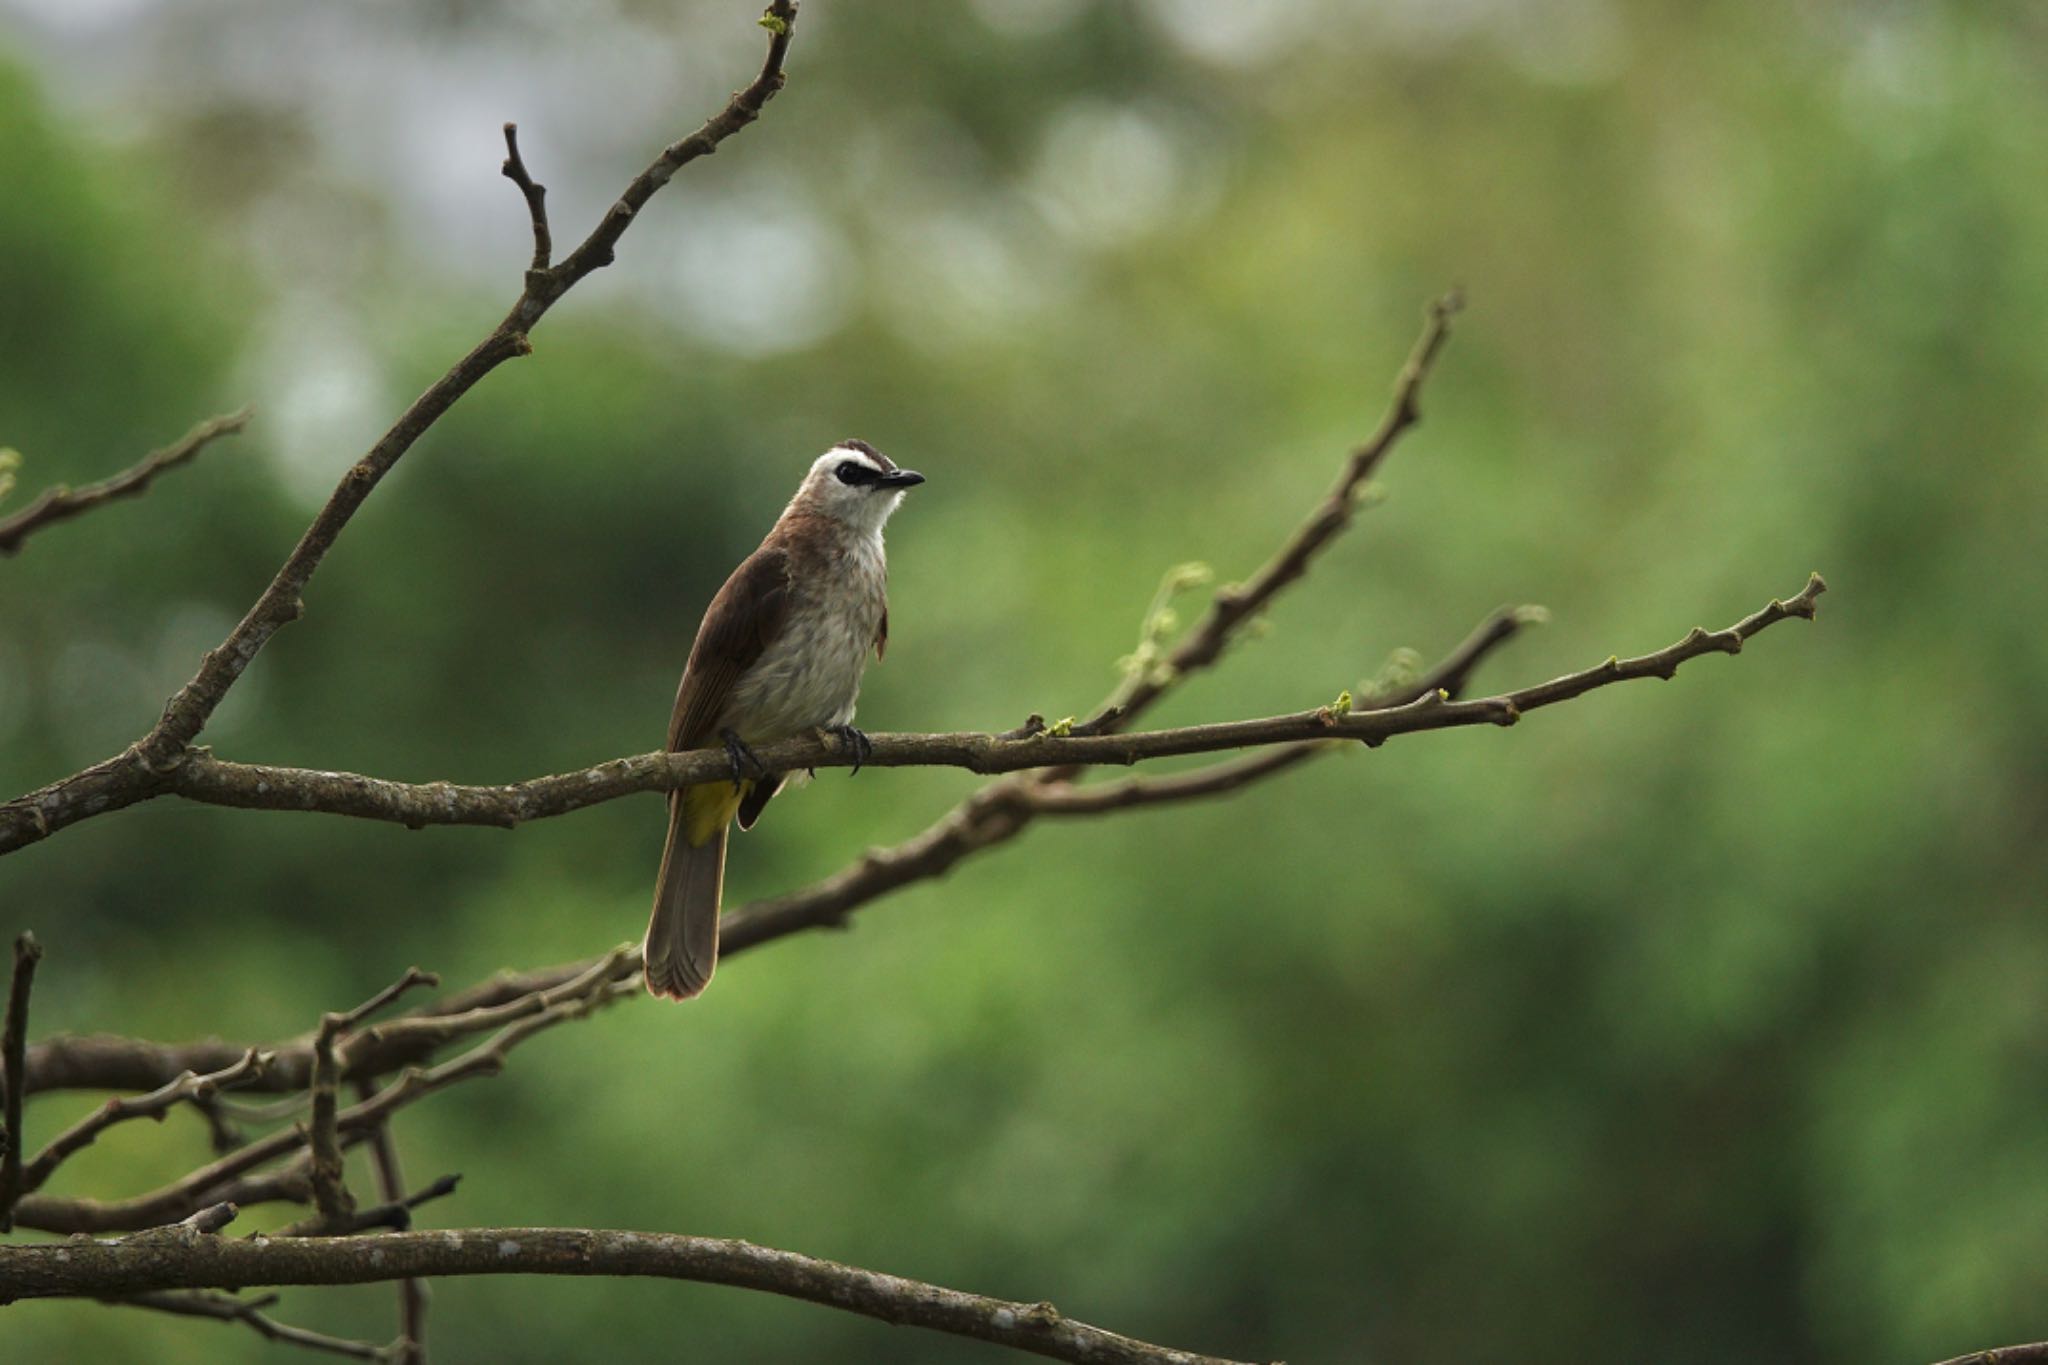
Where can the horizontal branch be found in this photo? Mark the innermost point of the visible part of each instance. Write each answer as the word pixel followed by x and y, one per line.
pixel 61 503
pixel 165 1261
pixel 213 781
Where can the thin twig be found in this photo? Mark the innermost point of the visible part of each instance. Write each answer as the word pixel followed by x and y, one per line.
pixel 108 1062
pixel 414 1296
pixel 536 194
pixel 199 1223
pixel 98 1268
pixel 186 1087
pixel 1216 779
pixel 341 1023
pixel 221 1307
pixel 13 1057
pixel 395 1214
pixel 61 503
pixel 1232 606
pixel 326 1168
pixel 323 1141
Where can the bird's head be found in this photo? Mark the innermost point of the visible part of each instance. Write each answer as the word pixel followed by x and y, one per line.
pixel 856 484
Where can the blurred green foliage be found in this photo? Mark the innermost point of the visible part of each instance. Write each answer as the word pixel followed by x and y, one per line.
pixel 1700 1022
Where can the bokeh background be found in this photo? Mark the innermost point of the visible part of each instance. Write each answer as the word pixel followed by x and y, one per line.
pixel 1701 1021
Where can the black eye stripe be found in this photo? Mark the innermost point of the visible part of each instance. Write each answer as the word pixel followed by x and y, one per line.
pixel 854 472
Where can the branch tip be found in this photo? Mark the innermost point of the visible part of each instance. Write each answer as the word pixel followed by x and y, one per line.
pixel 535 194
pixel 61 503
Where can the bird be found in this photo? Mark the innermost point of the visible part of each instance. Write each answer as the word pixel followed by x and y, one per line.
pixel 779 653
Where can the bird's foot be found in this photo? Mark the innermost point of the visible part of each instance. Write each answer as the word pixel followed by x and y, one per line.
pixel 854 740
pixel 741 758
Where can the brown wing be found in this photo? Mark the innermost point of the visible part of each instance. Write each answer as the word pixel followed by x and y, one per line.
pixel 741 621
pixel 882 635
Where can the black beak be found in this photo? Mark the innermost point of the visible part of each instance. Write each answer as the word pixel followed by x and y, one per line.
pixel 902 478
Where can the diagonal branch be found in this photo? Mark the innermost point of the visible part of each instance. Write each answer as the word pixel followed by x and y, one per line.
pixel 2035 1353
pixel 135 1265
pixel 144 768
pixel 188 1086
pixel 61 503
pixel 1233 606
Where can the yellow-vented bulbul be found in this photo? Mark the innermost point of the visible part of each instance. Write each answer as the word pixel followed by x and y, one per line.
pixel 780 651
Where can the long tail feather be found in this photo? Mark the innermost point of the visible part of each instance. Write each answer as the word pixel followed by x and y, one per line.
pixel 682 936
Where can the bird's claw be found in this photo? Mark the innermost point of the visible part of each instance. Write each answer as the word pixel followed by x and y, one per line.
pixel 855 740
pixel 741 758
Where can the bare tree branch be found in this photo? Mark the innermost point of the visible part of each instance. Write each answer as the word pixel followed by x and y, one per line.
pixel 536 194
pixel 204 778
pixel 185 1087
pixel 229 1177
pixel 338 1024
pixel 1217 779
pixel 105 1061
pixel 109 1062
pixel 395 1214
pixel 61 503
pixel 206 1303
pixel 147 1264
pixel 325 1166
pixel 13 1056
pixel 1233 606
pixel 323 1138
pixel 414 1296
pixel 144 768
pixel 2035 1353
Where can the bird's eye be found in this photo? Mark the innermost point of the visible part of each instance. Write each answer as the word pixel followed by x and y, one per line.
pixel 854 472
